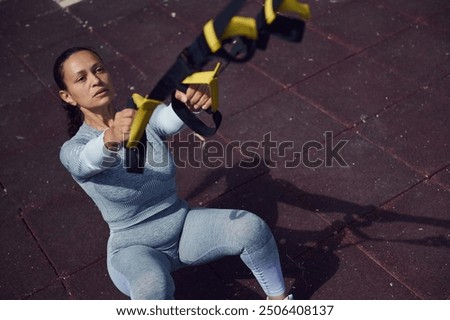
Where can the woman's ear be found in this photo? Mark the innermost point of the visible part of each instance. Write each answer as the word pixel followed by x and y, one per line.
pixel 67 97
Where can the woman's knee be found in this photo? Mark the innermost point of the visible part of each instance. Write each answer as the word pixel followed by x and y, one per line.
pixel 153 287
pixel 252 231
pixel 142 273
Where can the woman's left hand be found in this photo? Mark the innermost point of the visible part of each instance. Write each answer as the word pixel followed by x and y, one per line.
pixel 196 98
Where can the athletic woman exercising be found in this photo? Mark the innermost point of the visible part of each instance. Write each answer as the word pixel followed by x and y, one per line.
pixel 152 231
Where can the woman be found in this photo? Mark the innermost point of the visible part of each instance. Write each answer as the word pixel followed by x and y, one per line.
pixel 152 231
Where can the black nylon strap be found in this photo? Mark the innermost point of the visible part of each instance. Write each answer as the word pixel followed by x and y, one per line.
pixel 194 57
pixel 193 122
pixel 135 157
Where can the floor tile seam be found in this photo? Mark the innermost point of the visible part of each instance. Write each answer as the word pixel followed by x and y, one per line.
pixel 35 74
pixel 215 272
pixel 435 83
pixel 355 49
pixel 391 67
pixel 338 231
pixel 387 108
pixel 117 18
pixel 77 31
pixel 14 200
pixel 191 26
pixel 44 205
pixel 399 195
pixel 290 152
pixel 346 125
pixel 334 38
pixel 398 101
pixel 251 106
pixel 336 5
pixel 34 17
pixel 38 243
pixel 29 296
pixel 63 274
pixel 385 268
pixel 437 182
pixel 421 171
pixel 230 190
pixel 66 275
pixel 401 12
pixel 266 75
pixel 411 16
pixel 425 21
pixel 323 108
pixel 254 105
pixel 34 141
pixel 119 54
pixel 3 189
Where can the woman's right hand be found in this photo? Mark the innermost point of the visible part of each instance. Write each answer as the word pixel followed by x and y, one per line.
pixel 119 131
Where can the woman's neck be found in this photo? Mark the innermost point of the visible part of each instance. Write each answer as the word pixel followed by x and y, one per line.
pixel 99 119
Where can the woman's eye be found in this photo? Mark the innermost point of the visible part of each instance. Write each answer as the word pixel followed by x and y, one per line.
pixel 80 79
pixel 100 69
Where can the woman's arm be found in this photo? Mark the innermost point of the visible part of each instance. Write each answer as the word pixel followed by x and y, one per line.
pixel 84 160
pixel 165 121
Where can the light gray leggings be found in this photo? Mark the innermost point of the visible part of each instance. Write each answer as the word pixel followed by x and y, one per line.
pixel 141 258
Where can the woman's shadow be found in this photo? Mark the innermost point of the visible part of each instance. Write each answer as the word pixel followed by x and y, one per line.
pixel 262 196
pixel 308 256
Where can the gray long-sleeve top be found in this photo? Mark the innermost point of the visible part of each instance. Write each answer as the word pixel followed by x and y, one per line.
pixel 125 199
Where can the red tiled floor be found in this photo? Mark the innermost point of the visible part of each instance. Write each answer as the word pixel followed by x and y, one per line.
pixel 416 8
pixel 415 130
pixel 351 23
pixel 74 215
pixel 355 89
pixel 289 63
pixel 374 73
pixel 443 177
pixel 25 268
pixel 409 237
pixel 421 45
pixel 92 283
pixel 55 291
pixel 337 268
pixel 340 194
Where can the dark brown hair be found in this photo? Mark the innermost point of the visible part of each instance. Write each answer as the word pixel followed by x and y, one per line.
pixel 74 115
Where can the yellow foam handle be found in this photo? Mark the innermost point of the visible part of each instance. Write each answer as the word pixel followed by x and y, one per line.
pixel 269 12
pixel 214 43
pixel 241 26
pixel 238 26
pixel 302 9
pixel 209 78
pixel 294 6
pixel 145 108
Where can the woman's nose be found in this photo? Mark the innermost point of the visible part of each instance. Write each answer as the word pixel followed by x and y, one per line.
pixel 96 79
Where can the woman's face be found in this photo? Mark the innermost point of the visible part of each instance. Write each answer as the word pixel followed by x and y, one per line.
pixel 88 82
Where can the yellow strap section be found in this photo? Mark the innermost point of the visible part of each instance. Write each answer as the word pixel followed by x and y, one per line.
pixel 294 6
pixel 145 108
pixel 269 13
pixel 246 27
pixel 214 43
pixel 210 79
pixel 286 6
pixel 238 26
pixel 241 26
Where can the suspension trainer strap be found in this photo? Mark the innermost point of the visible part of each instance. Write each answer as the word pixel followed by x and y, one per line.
pixel 244 34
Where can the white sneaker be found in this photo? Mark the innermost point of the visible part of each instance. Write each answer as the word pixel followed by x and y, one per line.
pixel 289 297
